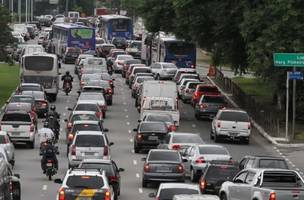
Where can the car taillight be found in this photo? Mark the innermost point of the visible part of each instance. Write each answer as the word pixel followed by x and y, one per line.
pixel 120 63
pixel 193 66
pixel 32 128
pixel 218 124
pixel 70 137
pixel 109 91
pixel 82 83
pixel 113 178
pixel 203 184
pixel 11 189
pixel 103 107
pixel 49 161
pixel 139 136
pixel 106 151
pixel 99 115
pixel 111 82
pixel 146 167
pixel 187 90
pixel 44 104
pixel 200 160
pixel 70 125
pixel 272 196
pixel 249 125
pixel 61 195
pixel 176 147
pixel 172 128
pixel 6 140
pixel 203 106
pixel 195 94
pixel 180 168
pixel 107 195
pixel 73 150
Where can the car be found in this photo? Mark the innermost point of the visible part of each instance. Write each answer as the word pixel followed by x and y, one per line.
pixel 120 42
pixel 188 76
pixel 197 158
pixel 134 49
pixel 94 97
pixel 99 63
pixel 83 125
pixel 16 98
pixel 159 117
pixel 195 197
pixel 162 165
pixel 110 168
pixel 87 106
pixel 105 49
pixel 8 146
pixel 20 127
pixel 130 69
pixel 107 89
pixel 89 144
pixel 85 78
pixel 263 161
pixel 78 62
pixel 29 87
pixel 41 102
pixel 231 124
pixel 209 105
pixel 216 173
pixel 136 70
pixel 91 70
pixel 118 62
pixel 137 81
pixel 188 91
pixel 181 87
pixel 166 191
pixel 149 134
pixel 181 71
pixel 84 184
pixel 181 140
pixel 80 116
pixel 203 89
pixel 163 70
pixel 21 106
pixel 109 78
pixel 126 64
pixel 100 40
pixel 70 55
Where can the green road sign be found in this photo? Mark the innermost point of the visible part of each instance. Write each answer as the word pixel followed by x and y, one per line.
pixel 288 59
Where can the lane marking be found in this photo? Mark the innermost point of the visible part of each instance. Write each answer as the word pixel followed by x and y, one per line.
pixel 68 101
pixel 126 110
pixel 128 123
pixel 137 175
pixel 64 114
pixel 66 107
pixel 132 150
pixel 127 116
pixel 124 103
pixel 193 125
pixel 134 162
pixel 140 190
pixel 131 140
pixel 44 187
pixel 60 129
pixel 129 131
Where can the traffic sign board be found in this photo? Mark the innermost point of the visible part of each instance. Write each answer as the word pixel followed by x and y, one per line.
pixel 288 59
pixel 295 75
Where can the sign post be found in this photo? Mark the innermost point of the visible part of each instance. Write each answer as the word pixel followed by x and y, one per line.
pixel 290 60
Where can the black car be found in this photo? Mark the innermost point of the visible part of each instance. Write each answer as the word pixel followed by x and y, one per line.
pixel 149 134
pixel 111 169
pixel 70 55
pixel 120 42
pixel 215 174
pixel 263 162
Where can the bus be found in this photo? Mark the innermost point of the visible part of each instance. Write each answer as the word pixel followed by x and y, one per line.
pixel 72 35
pixel 42 68
pixel 164 48
pixel 115 26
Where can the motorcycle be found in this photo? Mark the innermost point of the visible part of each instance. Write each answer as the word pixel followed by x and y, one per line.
pixel 54 125
pixel 67 88
pixel 50 169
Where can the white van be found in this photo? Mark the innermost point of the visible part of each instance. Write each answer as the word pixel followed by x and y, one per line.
pixel 41 68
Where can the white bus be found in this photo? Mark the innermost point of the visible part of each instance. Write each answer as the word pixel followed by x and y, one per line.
pixel 42 68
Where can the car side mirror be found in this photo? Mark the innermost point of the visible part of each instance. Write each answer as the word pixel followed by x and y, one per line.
pixel 135 129
pixel 139 120
pixel 105 130
pixel 111 143
pixel 143 159
pixel 152 195
pixel 237 181
pixel 185 160
pixel 17 175
pixel 65 120
pixel 58 181
pixel 113 79
pixel 121 169
pixel 70 109
pixel 78 92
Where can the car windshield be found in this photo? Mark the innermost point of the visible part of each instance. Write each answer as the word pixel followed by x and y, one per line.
pixel 213 99
pixel 212 150
pixel 273 163
pixel 89 141
pixel 153 127
pixel 90 96
pixel 135 61
pixel 157 104
pixel 16 117
pixel 95 61
pixel 160 118
pixel 234 116
pixel 142 79
pixel 31 88
pixel 124 57
pixel 108 168
pixel 105 76
pixel 86 127
pixel 283 179
pixel 88 182
pixel 221 172
pixel 86 77
pixel 104 84
pixel 208 89
pixel 19 106
pixel 169 66
pixel 80 117
pixel 186 138
pixel 168 193
pixel 21 99
pixel 88 107
pixel 141 70
pixel 164 156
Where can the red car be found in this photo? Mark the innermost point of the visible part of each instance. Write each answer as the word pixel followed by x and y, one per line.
pixel 203 89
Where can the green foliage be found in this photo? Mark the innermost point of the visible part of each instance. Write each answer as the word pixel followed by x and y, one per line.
pixel 9 76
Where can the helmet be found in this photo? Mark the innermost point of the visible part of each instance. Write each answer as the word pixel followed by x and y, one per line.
pixel 53 107
pixel 49 141
pixel 67 73
pixel 45 124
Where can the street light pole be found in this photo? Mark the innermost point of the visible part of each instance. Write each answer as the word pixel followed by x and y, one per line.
pixel 66 7
pixel 32 10
pixel 19 11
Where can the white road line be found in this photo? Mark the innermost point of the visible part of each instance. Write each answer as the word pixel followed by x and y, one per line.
pixel 44 187
pixel 193 125
pixel 68 101
pixel 66 107
pixel 131 140
pixel 64 114
pixel 129 131
pixel 140 190
pixel 132 150
pixel 134 162
pixel 128 123
pixel 60 129
pixel 297 169
pixel 137 175
pixel 127 116
pixel 126 110
pixel 124 103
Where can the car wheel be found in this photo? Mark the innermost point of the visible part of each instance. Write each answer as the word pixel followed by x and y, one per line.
pixel 223 196
pixel 211 134
pixel 157 77
pixel 104 115
pixel 115 195
pixel 245 141
pixel 197 116
pixel 193 176
pixel 136 149
pixel 144 183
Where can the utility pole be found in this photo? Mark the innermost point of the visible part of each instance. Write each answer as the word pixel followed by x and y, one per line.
pixel 19 11
pixel 293 106
pixel 66 7
pixel 32 10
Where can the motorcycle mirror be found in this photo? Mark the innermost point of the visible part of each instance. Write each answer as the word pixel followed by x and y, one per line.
pixel 70 109
pixel 105 130
pixel 65 120
pixel 58 180
pixel 17 175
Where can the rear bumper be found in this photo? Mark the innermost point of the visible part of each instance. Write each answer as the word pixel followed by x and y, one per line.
pixel 164 177
pixel 232 134
pixel 146 145
pixel 208 114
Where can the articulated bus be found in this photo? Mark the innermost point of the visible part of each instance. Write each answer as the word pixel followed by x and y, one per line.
pixel 72 35
pixel 163 48
pixel 115 26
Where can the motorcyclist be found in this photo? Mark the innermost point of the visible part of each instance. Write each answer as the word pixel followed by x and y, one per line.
pixel 67 79
pixel 54 125
pixel 53 112
pixel 44 134
pixel 110 66
pixel 49 153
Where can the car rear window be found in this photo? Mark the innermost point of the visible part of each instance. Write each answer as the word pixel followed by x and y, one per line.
pixel 189 138
pixel 234 116
pixel 208 89
pixel 145 78
pixel 272 163
pixel 213 99
pixel 89 107
pixel 108 168
pixel 164 156
pixel 212 150
pixel 21 99
pixel 153 127
pixel 222 172
pixel 168 66
pixel 283 179
pixel 129 62
pixel 89 141
pixel 16 117
pixel 88 182
pixel 92 89
pixel 30 88
pixel 159 118
pixel 86 127
pixel 168 193
pixel 141 70
pixel 80 117
pixel 193 85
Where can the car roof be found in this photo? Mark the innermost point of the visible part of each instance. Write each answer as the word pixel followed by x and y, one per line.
pixel 178 185
pixel 264 156
pixel 77 112
pixel 89 133
pixel 85 122
pixel 196 197
pixel 85 102
pixel 30 84
pixel 183 133
pixel 92 160
pixel 233 110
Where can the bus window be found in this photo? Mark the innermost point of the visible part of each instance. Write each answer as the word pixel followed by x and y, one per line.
pixel 179 48
pixel 38 63
pixel 120 25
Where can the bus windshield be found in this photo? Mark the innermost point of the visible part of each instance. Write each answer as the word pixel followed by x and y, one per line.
pixel 120 25
pixel 179 47
pixel 38 63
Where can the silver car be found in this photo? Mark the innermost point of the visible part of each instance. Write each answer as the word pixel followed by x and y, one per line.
pixel 8 146
pixel 188 91
pixel 89 144
pixel 93 97
pixel 197 158
pixel 163 70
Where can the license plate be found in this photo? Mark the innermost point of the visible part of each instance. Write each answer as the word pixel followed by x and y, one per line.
pixel 233 134
pixel 84 198
pixel 164 169
pixel 89 153
pixel 15 133
pixel 49 164
pixel 152 138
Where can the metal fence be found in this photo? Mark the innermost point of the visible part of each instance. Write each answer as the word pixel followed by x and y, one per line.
pixel 267 116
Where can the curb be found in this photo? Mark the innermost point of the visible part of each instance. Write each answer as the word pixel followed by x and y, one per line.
pixel 256 125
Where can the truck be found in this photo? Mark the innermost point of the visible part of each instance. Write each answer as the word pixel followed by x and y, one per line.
pixel 264 184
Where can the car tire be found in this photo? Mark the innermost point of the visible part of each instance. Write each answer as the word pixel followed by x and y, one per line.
pixel 104 115
pixel 197 116
pixel 193 176
pixel 144 183
pixel 245 141
pixel 211 135
pixel 157 77
pixel 223 196
pixel 115 195
pixel 136 149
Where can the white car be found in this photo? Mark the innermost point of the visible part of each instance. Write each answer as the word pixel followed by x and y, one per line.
pixel 181 87
pixel 181 141
pixel 85 184
pixel 163 70
pixel 88 144
pixel 231 124
pixel 118 64
pixel 94 97
pixel 198 156
pixel 189 89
